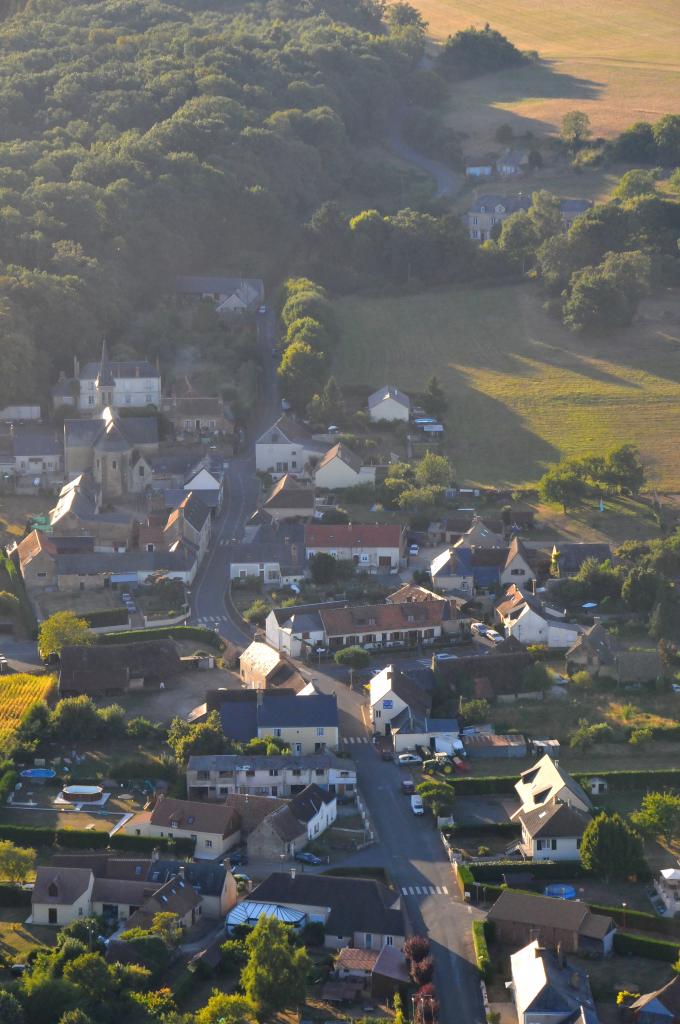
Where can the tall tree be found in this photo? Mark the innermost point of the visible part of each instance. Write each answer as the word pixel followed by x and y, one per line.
pixel 659 815
pixel 434 399
pixel 225 1009
pixel 275 976
pixel 16 862
pixel 60 630
pixel 575 128
pixel 610 848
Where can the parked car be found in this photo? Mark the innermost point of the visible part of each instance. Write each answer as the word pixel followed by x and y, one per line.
pixel 395 643
pixel 408 786
pixel 386 754
pixel 414 549
pixel 309 858
pixel 478 628
pixel 372 645
pixel 417 804
pixel 409 759
pixel 262 309
pixel 446 656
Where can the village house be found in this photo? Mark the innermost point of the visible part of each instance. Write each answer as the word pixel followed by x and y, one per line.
pixel 521 917
pixel 552 832
pixel 117 889
pixel 130 384
pixel 195 416
pixel 512 162
pixel 38 455
pixel 489 211
pixel 372 547
pixel 78 513
pixel 260 667
pixel 568 557
pixel 340 468
pixel 298 630
pixel 214 776
pixel 545 986
pixel 389 403
pixel 382 625
pixel 545 784
pixel 36 555
pixel 667 890
pixel 232 297
pixel 215 828
pixel 457 613
pixel 400 705
pixel 359 912
pixel 287 447
pixel 274 827
pixel 453 527
pixel 289 498
pixel 659 1007
pixel 380 973
pixel 532 621
pixel 95 670
pixel 274 554
pixel 190 523
pixel 479 166
pixel 207 483
pixel 596 651
pixel 307 724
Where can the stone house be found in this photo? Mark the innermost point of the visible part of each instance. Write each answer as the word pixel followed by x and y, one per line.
pixel 289 498
pixel 287 447
pixel 130 384
pixel 215 828
pixel 198 415
pixel 374 547
pixel 232 297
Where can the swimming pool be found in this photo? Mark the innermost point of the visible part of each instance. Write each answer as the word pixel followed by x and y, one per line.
pixel 38 773
pixel 561 892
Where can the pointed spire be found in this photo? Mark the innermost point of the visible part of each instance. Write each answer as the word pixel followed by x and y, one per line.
pixel 105 375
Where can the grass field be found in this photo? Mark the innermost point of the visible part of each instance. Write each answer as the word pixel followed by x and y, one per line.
pixel 618 61
pixel 17 694
pixel 523 391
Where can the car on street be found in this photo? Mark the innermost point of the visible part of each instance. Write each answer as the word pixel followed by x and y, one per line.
pixel 414 549
pixel 285 404
pixel 409 759
pixel 446 656
pixel 262 309
pixel 417 804
pixel 308 858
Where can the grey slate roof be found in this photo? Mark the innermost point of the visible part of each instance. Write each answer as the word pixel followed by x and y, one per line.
pixel 257 762
pixel 30 440
pixel 287 430
pixel 316 710
pixel 557 821
pixel 206 877
pixel 121 562
pixel 118 370
pixel 356 904
pixel 389 390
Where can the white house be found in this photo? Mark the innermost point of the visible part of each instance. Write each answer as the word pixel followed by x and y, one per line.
pixel 478 167
pixel 512 162
pixel 530 621
pixel 293 630
pixel 392 692
pixel 553 832
pixel 340 468
pixel 287 447
pixel 546 784
pixel 215 828
pixel 547 988
pixel 230 295
pixel 274 562
pixel 371 546
pixel 517 568
pixel 389 403
pixel 109 384
pixel 215 776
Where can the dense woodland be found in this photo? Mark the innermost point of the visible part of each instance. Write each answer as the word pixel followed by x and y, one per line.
pixel 139 140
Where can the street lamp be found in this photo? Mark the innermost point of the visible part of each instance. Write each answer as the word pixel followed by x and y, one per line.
pixel 624 905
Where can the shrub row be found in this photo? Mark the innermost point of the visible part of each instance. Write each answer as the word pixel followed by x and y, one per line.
pixel 81 839
pixel 472 786
pixel 506 828
pixel 643 945
pixel 639 920
pixel 493 870
pixel 479 939
pixel 108 617
pixel 8 781
pixel 200 634
pixel 16 585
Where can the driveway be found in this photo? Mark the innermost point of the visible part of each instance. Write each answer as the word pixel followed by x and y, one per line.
pixel 412 852
pixel 448 182
pixel 485 810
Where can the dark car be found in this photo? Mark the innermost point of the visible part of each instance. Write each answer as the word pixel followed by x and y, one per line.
pixel 308 858
pixel 238 857
pixel 17 969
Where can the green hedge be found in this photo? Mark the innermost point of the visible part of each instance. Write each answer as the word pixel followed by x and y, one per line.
pixel 479 939
pixel 200 634
pixel 637 778
pixel 643 945
pixel 82 839
pixel 109 617
pixel 476 786
pixel 493 870
pixel 506 828
pixel 14 896
pixel 639 920
pixel 465 878
pixel 16 587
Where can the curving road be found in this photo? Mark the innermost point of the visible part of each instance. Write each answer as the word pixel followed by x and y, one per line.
pixel 449 183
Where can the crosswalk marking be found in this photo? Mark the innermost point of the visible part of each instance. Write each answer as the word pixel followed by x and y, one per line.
pixel 424 890
pixel 356 739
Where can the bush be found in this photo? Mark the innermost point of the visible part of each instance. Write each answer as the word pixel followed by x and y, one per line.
pixel 416 948
pixel 481 949
pixel 200 634
pixel 28 835
pixel 493 871
pixel 109 617
pixel 641 945
pixel 120 841
pixel 81 839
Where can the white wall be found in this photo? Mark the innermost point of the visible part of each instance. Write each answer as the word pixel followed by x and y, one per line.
pixel 336 474
pixel 389 410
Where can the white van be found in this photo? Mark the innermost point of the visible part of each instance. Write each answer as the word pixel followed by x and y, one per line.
pixel 417 804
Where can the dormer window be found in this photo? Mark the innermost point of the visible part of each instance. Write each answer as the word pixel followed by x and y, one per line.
pixel 482 209
pixel 53 890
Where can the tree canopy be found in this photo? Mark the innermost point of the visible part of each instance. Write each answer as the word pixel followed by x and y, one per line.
pixel 610 848
pixel 61 630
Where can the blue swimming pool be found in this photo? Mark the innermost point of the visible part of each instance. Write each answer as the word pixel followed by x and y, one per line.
pixel 38 773
pixel 560 892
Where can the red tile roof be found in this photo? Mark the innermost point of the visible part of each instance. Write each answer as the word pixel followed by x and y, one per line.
pixel 360 535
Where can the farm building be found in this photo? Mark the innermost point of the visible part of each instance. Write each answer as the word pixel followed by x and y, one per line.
pixel 99 669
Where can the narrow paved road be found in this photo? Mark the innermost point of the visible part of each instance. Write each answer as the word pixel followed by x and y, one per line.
pixel 210 604
pixel 448 182
pixel 412 852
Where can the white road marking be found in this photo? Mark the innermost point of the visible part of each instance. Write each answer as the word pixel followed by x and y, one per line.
pixel 439 892
pixel 446 891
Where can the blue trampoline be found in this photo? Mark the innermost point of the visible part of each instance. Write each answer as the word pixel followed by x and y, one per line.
pixel 560 892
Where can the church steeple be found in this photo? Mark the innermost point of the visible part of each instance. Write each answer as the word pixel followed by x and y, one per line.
pixel 105 376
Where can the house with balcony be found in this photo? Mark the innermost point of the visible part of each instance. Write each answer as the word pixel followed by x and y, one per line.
pixel 383 625
pixel 215 776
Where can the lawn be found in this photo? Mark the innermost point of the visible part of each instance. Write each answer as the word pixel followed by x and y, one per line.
pixel 17 939
pixel 81 602
pixel 619 62
pixel 523 390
